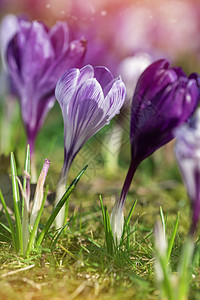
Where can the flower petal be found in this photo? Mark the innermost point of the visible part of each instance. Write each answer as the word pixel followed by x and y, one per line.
pixel 73 56
pixel 59 36
pixel 37 54
pixel 66 86
pixel 104 77
pixel 86 73
pixel 82 115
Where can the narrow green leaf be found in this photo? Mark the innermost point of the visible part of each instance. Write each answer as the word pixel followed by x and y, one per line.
pixel 27 168
pixel 107 228
pixel 131 212
pixel 166 281
pixel 5 227
pixel 59 206
pixel 171 241
pixel 16 201
pixel 127 221
pixel 36 224
pixel 102 209
pixel 57 235
pixel 5 236
pixel 9 221
pixel 25 200
pixel 162 220
pixel 109 235
pixel 184 268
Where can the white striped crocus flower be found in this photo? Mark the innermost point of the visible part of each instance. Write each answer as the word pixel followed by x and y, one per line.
pixel 89 98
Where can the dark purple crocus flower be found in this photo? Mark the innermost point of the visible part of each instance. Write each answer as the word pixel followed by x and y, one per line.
pixel 89 98
pixel 36 57
pixel 164 98
pixel 187 150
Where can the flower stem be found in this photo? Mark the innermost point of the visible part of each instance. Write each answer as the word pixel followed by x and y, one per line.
pixel 127 182
pixel 60 190
pixel 33 169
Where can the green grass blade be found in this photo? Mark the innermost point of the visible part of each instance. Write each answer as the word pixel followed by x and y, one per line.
pixel 127 221
pixel 131 212
pixel 9 220
pixel 171 241
pixel 103 211
pixel 58 234
pixel 5 227
pixel 184 269
pixel 166 282
pixel 162 220
pixel 27 171
pixel 16 201
pixel 5 236
pixel 109 235
pixel 36 224
pixel 59 206
pixel 26 199
pixel 107 227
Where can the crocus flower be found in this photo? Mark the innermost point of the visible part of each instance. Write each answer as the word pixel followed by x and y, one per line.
pixel 36 57
pixel 164 98
pixel 131 67
pixel 187 152
pixel 89 98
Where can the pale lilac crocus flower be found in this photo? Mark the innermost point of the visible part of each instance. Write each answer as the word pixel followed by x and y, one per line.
pixel 187 150
pixel 130 68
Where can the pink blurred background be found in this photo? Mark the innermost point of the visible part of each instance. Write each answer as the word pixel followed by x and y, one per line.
pixel 116 29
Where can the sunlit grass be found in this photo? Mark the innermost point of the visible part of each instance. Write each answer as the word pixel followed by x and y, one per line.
pixel 77 265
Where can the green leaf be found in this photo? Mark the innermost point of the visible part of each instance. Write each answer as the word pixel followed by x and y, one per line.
pixel 126 228
pixel 131 212
pixel 107 227
pixel 109 235
pixel 184 268
pixel 162 220
pixel 27 169
pixel 5 227
pixel 16 201
pixel 59 206
pixel 171 241
pixel 9 221
pixel 36 224
pixel 25 201
pixel 57 235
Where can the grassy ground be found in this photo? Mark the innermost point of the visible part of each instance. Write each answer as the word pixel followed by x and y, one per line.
pixel 78 267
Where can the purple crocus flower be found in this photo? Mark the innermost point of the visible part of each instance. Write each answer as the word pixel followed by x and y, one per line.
pixel 164 98
pixel 187 150
pixel 89 98
pixel 36 57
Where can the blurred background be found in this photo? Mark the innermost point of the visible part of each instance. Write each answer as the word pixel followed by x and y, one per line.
pixel 114 30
